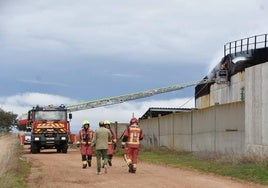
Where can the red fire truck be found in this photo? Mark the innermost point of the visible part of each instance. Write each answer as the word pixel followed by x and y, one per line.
pixel 50 128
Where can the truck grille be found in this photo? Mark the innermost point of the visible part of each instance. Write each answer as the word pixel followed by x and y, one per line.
pixel 50 135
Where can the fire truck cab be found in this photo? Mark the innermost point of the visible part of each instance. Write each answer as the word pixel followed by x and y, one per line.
pixel 50 128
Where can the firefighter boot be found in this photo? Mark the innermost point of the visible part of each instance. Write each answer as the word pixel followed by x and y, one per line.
pixel 110 162
pixel 89 157
pixel 130 168
pixel 134 167
pixel 84 164
pixel 105 169
pixel 98 171
pixel 89 163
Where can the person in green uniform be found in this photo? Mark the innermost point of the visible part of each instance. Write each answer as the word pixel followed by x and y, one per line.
pixel 100 142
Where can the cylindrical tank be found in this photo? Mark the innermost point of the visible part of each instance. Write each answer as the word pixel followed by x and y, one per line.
pixel 73 138
pixel 22 139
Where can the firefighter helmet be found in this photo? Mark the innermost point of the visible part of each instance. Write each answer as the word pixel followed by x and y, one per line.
pixel 106 122
pixel 85 122
pixel 133 120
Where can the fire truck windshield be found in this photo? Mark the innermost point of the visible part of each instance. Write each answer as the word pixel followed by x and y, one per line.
pixel 50 115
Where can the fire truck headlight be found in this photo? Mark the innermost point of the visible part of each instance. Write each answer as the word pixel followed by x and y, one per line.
pixel 63 138
pixel 36 138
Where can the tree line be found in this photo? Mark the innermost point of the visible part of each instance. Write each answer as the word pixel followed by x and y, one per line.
pixel 8 121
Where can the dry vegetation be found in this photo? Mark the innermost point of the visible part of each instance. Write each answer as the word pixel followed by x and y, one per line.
pixel 234 158
pixel 10 170
pixel 8 143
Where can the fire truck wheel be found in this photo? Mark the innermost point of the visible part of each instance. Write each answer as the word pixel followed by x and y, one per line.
pixel 35 148
pixel 64 148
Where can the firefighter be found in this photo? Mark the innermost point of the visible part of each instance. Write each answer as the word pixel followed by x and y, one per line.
pixel 84 139
pixel 131 143
pixel 111 142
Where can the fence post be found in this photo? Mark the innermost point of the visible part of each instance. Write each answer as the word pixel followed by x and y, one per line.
pixel 173 134
pixel 215 127
pixel 158 122
pixel 265 40
pixel 191 131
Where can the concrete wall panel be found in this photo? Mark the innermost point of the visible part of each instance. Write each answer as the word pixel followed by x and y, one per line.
pixel 203 141
pixel 203 120
pixel 256 126
pixel 166 131
pixel 182 131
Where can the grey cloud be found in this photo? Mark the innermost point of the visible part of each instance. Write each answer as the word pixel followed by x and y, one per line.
pixel 142 29
pixel 82 47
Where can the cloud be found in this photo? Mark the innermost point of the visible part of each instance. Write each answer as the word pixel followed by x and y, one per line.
pixel 28 100
pixel 139 30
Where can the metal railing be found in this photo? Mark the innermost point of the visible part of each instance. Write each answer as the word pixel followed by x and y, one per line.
pixel 246 45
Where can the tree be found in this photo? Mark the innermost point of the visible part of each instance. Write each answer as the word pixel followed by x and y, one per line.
pixel 7 121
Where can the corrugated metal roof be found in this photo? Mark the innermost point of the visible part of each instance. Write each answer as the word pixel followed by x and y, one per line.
pixel 157 111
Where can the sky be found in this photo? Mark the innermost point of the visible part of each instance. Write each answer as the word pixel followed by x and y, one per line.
pixel 67 52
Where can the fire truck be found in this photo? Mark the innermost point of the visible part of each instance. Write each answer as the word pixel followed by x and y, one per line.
pixel 50 128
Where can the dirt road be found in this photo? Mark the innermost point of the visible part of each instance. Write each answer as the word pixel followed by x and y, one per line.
pixel 54 170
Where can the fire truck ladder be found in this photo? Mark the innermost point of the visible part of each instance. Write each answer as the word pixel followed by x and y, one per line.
pixel 128 97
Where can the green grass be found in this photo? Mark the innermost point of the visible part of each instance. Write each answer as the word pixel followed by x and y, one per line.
pixel 250 168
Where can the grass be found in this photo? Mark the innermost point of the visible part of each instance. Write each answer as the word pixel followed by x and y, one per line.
pixel 16 169
pixel 250 167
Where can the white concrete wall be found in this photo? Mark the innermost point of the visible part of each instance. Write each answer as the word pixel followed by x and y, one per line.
pixel 256 109
pixel 218 128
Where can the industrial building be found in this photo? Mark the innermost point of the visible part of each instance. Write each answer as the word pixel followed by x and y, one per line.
pixel 231 106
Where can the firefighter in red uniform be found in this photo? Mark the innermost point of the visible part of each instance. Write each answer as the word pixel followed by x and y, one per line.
pixel 131 143
pixel 84 139
pixel 111 142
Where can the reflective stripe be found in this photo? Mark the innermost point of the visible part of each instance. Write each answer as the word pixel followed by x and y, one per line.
pixel 86 142
pixel 134 137
pixel 135 128
pixel 134 143
pixel 128 161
